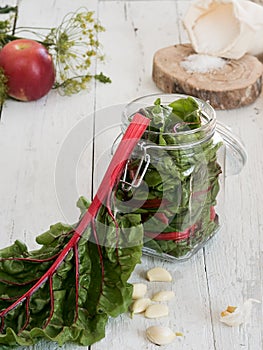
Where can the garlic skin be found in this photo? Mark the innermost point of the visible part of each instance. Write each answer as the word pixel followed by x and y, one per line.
pixel 158 274
pixel 156 311
pixel 140 305
pixel 240 315
pixel 164 295
pixel 139 290
pixel 160 335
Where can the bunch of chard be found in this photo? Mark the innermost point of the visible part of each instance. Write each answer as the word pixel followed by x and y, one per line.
pixel 66 290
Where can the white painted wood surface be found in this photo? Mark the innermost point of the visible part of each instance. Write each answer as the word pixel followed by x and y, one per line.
pixel 34 135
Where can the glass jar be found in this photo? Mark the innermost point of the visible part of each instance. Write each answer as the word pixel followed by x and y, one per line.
pixel 176 175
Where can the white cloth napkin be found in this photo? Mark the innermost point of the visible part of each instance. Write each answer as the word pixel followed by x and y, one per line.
pixel 225 28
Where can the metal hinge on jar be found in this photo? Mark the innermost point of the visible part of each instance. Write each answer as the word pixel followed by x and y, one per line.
pixel 140 172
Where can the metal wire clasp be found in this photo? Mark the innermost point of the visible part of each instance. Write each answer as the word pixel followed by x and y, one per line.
pixel 137 180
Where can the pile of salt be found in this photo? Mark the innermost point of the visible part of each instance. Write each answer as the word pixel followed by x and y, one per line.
pixel 202 63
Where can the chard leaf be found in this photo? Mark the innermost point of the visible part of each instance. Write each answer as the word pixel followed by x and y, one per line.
pixel 102 293
pixel 157 115
pixel 157 102
pixel 66 290
pixel 184 107
pixel 182 114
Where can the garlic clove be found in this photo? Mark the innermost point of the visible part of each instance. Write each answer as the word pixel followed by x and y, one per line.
pixel 139 290
pixel 158 274
pixel 160 335
pixel 140 305
pixel 156 311
pixel 234 316
pixel 164 295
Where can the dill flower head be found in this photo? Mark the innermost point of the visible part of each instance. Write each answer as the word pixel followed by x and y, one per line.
pixel 8 14
pixel 73 45
pixel 3 86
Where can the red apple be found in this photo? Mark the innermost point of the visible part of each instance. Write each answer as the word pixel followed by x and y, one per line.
pixel 29 69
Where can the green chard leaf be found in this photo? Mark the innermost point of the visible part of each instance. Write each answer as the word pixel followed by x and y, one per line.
pixel 89 286
pixel 184 107
pixel 66 290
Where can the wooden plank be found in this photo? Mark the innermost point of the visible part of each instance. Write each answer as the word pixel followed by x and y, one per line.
pixel 234 264
pixel 33 136
pixel 141 29
pixel 129 43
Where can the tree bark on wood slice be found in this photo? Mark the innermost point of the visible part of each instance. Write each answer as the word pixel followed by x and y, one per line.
pixel 238 83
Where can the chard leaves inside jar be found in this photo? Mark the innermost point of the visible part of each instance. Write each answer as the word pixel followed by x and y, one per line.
pixel 179 193
pixel 180 115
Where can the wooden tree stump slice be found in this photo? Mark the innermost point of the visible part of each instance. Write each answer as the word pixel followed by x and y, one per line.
pixel 238 83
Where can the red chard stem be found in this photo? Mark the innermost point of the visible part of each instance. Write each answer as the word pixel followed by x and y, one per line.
pixel 130 138
pixel 76 254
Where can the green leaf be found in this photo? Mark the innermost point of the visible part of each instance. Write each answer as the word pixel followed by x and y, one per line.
pixel 102 78
pixel 7 9
pixel 157 102
pixel 103 292
pixel 184 107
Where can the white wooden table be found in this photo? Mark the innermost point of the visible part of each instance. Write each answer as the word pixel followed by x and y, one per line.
pixel 34 135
